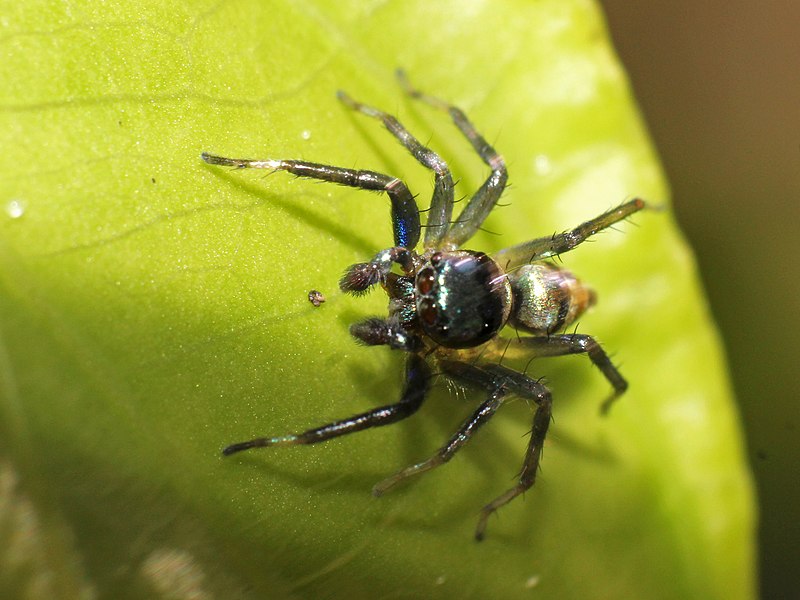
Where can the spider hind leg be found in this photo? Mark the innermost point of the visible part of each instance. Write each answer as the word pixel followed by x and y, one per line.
pixel 573 343
pixel 559 243
pixel 500 382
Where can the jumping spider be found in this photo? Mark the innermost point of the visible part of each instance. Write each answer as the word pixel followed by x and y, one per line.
pixel 447 305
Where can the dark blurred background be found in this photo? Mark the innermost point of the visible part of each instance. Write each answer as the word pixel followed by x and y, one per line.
pixel 719 85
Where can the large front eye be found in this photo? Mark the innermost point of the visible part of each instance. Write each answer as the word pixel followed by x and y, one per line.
pixel 426 280
pixel 463 299
pixel 428 313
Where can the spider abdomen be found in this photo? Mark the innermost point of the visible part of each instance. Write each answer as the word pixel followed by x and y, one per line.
pixel 463 298
pixel 546 298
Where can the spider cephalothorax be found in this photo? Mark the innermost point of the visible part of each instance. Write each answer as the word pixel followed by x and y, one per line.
pixel 447 304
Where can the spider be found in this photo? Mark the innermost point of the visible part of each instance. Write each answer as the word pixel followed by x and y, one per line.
pixel 447 304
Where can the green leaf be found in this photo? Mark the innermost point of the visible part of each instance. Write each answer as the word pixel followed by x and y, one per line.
pixel 154 309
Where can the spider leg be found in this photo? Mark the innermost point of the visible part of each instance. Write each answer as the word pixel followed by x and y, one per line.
pixel 559 243
pixel 484 412
pixel 575 343
pixel 500 382
pixel 525 387
pixel 441 208
pixel 405 214
pixel 418 378
pixel 484 200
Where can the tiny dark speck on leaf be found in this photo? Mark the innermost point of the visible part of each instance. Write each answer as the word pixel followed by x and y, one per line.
pixel 316 298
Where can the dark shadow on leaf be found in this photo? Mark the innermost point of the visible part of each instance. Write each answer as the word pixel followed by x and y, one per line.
pixel 295 209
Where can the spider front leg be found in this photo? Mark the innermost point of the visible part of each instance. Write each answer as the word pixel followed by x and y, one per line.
pixel 418 379
pixel 405 213
pixel 559 243
pixel 485 199
pixel 441 208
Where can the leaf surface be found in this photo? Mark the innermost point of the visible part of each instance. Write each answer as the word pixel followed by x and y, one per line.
pixel 154 309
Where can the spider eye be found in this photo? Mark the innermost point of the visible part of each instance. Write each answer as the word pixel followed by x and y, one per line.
pixel 428 313
pixel 425 281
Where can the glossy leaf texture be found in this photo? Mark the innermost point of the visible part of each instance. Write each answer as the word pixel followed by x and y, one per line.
pixel 154 309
